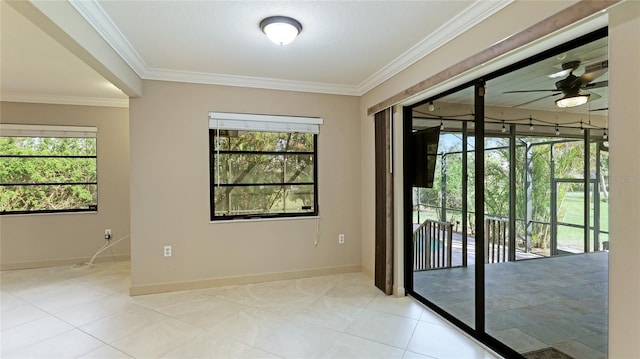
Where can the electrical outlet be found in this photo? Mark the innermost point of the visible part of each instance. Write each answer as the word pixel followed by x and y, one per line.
pixel 341 238
pixel 107 234
pixel 167 251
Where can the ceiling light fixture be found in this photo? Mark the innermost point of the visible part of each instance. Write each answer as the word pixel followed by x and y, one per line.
pixel 572 100
pixel 280 30
pixel 431 106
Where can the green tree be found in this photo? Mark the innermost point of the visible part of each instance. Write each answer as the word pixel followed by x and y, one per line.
pixel 496 196
pixel 267 158
pixel 37 173
pixel 568 162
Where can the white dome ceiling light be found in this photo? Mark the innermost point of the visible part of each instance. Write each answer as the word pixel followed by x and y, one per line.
pixel 281 30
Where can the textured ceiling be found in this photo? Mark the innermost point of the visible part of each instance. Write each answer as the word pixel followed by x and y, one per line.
pixel 346 47
pixel 342 42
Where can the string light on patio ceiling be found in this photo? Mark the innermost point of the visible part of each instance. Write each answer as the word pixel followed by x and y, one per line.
pixel 572 128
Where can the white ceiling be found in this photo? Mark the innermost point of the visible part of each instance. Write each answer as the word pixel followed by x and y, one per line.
pixel 343 43
pixel 346 47
pixel 36 68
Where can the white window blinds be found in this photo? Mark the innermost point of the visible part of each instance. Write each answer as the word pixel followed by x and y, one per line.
pixel 19 130
pixel 268 123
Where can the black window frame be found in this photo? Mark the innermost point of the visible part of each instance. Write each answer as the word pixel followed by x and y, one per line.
pixel 89 208
pixel 213 151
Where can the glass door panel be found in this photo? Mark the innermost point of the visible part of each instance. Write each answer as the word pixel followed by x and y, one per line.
pixel 442 238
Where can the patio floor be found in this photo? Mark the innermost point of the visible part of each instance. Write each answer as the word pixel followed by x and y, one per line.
pixel 559 302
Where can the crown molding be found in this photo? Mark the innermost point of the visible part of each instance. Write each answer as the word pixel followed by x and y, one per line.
pixel 470 17
pixel 63 100
pixel 248 81
pixel 96 16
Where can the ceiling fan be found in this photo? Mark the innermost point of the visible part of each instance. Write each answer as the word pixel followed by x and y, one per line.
pixel 572 86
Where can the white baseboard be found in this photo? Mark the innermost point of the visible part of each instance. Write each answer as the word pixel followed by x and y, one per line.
pixel 367 272
pixel 61 262
pixel 399 291
pixel 236 280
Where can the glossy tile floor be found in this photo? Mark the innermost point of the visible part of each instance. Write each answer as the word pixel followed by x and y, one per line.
pixel 62 313
pixel 559 302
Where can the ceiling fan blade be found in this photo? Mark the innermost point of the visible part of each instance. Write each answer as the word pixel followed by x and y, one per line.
pixel 523 91
pixel 596 85
pixel 567 68
pixel 590 76
pixel 593 71
pixel 593 96
pixel 538 99
pixel 561 73
pixel 599 109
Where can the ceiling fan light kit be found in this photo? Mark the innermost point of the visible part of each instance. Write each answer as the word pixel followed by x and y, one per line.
pixel 571 86
pixel 572 101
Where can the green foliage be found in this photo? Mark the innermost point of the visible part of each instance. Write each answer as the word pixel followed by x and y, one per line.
pixel 277 163
pixel 496 171
pixel 50 170
pixel 568 163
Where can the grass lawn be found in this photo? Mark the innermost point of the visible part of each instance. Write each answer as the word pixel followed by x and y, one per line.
pixel 570 211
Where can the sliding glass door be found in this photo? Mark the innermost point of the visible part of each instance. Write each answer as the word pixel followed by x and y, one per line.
pixel 508 238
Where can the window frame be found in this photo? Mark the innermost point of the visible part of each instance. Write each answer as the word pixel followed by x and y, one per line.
pixel 261 123
pixel 51 131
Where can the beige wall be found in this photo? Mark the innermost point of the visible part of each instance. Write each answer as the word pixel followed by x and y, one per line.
pixel 510 20
pixel 53 239
pixel 624 178
pixel 170 189
pixel 624 289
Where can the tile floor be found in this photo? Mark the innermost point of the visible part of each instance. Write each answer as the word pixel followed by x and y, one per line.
pixel 62 313
pixel 559 302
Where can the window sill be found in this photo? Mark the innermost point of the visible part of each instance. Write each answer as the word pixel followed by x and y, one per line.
pixel 38 214
pixel 245 220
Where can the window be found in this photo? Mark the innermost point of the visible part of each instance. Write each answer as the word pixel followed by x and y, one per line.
pixel 46 169
pixel 262 166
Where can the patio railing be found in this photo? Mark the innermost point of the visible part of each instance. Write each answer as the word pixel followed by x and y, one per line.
pixel 496 237
pixel 432 245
